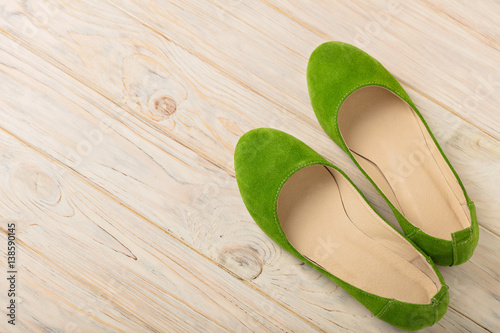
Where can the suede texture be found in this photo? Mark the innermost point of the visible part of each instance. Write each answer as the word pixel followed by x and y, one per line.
pixel 264 160
pixel 335 70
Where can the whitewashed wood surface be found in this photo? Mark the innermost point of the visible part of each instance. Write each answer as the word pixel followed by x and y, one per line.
pixel 118 122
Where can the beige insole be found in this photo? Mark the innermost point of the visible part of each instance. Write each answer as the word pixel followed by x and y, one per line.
pixel 328 222
pixel 391 143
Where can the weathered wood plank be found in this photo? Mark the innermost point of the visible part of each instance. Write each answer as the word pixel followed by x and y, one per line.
pixel 87 263
pixel 481 20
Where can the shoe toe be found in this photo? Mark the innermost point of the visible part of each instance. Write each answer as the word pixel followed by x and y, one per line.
pixel 413 317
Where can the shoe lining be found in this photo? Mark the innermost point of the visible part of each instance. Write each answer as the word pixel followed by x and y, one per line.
pixel 327 221
pixel 392 145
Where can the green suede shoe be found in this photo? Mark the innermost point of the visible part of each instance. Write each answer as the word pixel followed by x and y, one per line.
pixel 364 109
pixel 311 209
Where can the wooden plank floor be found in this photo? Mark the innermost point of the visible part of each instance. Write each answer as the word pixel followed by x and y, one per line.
pixel 118 122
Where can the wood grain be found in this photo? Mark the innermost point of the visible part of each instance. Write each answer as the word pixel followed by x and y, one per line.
pixel 97 266
pixel 432 50
pixel 142 103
